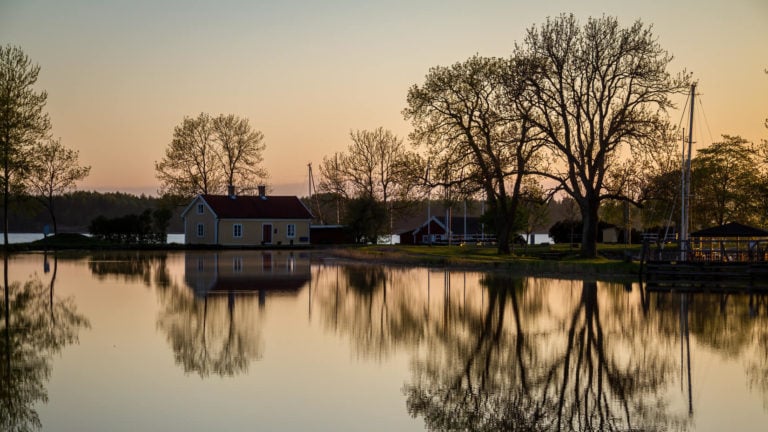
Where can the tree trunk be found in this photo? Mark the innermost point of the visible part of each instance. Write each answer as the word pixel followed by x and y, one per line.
pixel 6 189
pixel 589 219
pixel 502 235
pixel 53 219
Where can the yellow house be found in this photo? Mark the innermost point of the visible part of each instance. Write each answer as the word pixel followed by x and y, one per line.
pixel 231 220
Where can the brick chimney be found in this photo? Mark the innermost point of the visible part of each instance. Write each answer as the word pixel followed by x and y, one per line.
pixel 231 192
pixel 262 192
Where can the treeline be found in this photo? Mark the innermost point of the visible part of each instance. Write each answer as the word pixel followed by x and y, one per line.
pixel 76 210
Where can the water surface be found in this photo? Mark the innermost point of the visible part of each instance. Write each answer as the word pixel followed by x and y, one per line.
pixel 259 340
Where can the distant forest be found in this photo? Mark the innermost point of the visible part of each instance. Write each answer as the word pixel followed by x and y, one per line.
pixel 76 210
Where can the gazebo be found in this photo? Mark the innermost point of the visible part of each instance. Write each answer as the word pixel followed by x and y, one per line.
pixel 732 242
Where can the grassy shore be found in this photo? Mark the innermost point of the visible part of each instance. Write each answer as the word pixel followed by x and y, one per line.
pixel 559 260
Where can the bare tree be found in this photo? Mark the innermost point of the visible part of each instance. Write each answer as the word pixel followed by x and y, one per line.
pixel 377 167
pixel 190 165
pixel 206 154
pixel 601 93
pixel 22 121
pixel 55 171
pixel 239 150
pixel 332 173
pixel 476 139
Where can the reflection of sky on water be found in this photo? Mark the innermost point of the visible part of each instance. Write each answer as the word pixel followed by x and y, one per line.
pixel 241 339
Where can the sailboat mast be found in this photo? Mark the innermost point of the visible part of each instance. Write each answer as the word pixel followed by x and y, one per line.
pixel 686 189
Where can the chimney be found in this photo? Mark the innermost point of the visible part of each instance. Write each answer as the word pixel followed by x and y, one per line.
pixel 262 192
pixel 231 192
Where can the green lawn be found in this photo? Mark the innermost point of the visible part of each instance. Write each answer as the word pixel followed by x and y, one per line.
pixel 539 259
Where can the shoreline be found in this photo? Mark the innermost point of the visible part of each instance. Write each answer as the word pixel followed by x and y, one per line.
pixel 602 268
pixel 535 261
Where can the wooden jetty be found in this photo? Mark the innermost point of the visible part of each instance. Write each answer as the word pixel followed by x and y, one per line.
pixel 732 258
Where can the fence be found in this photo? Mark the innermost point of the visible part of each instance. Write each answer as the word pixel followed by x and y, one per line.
pixel 706 251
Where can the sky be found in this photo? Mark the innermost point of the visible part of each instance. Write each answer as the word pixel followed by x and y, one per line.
pixel 120 75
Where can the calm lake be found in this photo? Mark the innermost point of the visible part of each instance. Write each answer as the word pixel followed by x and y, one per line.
pixel 281 341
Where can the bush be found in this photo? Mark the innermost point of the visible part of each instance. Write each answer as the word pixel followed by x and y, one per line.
pixel 149 227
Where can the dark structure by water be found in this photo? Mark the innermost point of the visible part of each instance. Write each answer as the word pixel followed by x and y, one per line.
pixel 729 257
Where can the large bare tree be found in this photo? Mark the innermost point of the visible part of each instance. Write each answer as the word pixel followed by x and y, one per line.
pixel 55 171
pixel 22 121
pixel 601 92
pixel 475 138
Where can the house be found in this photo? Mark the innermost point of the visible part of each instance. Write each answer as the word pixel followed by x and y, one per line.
pixel 457 230
pixel 232 220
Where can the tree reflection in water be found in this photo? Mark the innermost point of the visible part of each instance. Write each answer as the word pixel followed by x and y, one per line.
pixel 131 266
pixel 529 354
pixel 358 300
pixel 37 325
pixel 217 335
pixel 730 324
pixel 213 322
pixel 560 370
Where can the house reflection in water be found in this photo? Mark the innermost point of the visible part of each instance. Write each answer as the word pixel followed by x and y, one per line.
pixel 246 272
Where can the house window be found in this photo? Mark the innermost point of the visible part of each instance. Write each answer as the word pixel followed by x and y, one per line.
pixel 200 209
pixel 237 230
pixel 237 264
pixel 200 230
pixel 290 231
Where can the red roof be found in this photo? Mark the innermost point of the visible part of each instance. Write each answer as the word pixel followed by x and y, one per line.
pixel 255 207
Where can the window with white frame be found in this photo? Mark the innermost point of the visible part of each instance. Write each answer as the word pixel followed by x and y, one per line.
pixel 200 209
pixel 200 230
pixel 290 231
pixel 237 230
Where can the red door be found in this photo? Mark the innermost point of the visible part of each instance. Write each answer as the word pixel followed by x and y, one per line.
pixel 266 233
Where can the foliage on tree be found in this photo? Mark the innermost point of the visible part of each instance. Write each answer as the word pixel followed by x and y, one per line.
pixel 726 180
pixel 534 209
pixel 207 154
pixel 475 139
pixel 601 92
pixel 366 218
pixel 147 227
pixel 22 121
pixel 55 171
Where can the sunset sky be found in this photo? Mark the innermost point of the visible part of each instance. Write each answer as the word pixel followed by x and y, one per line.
pixel 121 74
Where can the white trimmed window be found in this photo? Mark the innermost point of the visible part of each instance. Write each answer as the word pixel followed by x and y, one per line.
pixel 200 230
pixel 200 209
pixel 237 230
pixel 290 231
